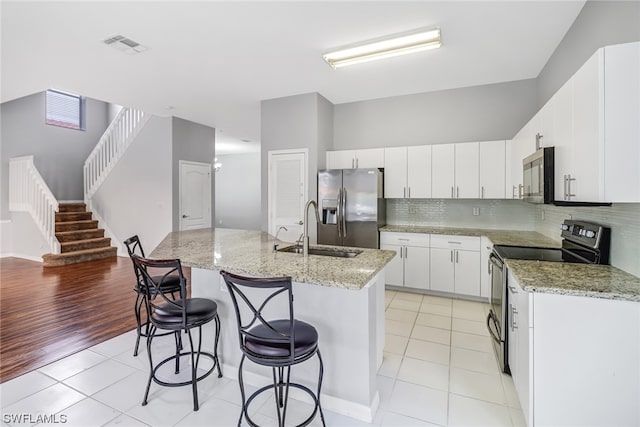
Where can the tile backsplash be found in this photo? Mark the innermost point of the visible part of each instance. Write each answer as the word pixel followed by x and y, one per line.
pixel 494 214
pixel 622 218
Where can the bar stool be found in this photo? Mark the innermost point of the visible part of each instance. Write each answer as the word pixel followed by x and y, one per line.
pixel 183 314
pixel 276 343
pixel 170 286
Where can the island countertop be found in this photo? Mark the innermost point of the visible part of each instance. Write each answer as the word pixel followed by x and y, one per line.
pixel 250 252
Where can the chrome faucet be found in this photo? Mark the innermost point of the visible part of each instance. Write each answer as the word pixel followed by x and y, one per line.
pixel 275 245
pixel 305 238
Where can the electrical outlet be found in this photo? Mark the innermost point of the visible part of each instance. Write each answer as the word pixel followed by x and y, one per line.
pixel 476 211
pixel 413 209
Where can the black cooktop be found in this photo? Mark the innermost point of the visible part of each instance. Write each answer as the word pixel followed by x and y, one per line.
pixel 535 254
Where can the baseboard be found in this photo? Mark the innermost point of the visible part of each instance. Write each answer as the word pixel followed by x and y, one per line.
pixel 27 257
pixel 341 406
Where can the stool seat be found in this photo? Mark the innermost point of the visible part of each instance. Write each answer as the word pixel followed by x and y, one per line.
pixel 198 311
pixel 264 341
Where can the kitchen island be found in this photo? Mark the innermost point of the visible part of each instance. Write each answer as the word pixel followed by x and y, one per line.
pixel 342 297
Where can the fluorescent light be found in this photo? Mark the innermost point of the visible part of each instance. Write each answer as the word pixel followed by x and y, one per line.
pixel 400 45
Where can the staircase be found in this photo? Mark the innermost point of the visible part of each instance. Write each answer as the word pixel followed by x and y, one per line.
pixel 79 236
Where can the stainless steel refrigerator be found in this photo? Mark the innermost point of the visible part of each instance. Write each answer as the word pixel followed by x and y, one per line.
pixel 351 206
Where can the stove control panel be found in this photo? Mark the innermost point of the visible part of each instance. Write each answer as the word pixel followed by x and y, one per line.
pixel 585 233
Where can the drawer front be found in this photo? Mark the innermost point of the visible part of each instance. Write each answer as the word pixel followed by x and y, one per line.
pixel 404 239
pixel 468 243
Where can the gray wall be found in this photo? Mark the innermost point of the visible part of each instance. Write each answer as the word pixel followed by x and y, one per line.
pixel 480 113
pixel 238 191
pixel 193 142
pixel 600 23
pixel 300 121
pixel 59 153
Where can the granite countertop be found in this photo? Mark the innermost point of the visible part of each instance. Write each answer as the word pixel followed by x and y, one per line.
pixel 564 278
pixel 250 253
pixel 599 281
pixel 497 237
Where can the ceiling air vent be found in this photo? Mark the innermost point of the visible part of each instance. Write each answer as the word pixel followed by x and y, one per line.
pixel 125 44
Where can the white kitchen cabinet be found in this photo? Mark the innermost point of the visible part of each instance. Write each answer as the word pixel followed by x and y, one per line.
pixel 350 159
pixel 523 144
pixel 407 172
pixel 602 164
pixel 455 171
pixel 563 137
pixel 410 267
pixel 492 169
pixel 467 170
pixel 455 264
pixel 575 359
pixel 443 163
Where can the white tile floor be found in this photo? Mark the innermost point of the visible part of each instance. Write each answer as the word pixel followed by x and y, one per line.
pixel 438 369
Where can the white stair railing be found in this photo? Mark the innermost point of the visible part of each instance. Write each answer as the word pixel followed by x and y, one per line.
pixel 29 193
pixel 112 145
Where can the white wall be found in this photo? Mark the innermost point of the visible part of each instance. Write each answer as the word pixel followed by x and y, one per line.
pixel 21 238
pixel 238 191
pixel 136 197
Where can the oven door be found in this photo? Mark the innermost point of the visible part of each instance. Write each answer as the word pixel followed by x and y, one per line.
pixel 496 317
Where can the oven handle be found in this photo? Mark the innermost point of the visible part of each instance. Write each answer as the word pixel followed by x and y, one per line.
pixel 496 261
pixel 489 321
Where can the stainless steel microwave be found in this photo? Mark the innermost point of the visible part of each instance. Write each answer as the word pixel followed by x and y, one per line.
pixel 538 173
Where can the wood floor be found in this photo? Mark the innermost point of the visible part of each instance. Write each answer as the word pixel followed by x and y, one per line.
pixel 50 313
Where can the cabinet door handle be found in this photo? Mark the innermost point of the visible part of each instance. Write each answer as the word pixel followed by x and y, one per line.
pixel 353 163
pixel 457 192
pixel 404 192
pixel 482 192
pixel 569 179
pixel 456 257
pixel 455 243
pixel 409 191
pixel 452 191
pixel 452 256
pixel 357 163
pixel 514 312
pixel 489 268
pixel 405 252
pixel 520 189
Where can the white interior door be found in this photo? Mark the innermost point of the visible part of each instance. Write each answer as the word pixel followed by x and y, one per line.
pixel 287 193
pixel 195 195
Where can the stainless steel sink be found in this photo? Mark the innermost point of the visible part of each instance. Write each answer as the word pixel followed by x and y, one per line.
pixel 340 253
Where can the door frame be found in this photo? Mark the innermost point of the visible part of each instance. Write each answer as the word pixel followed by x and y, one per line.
pixel 181 164
pixel 270 159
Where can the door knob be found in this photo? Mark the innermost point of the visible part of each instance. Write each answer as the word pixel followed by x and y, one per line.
pixel 300 222
pixel 184 216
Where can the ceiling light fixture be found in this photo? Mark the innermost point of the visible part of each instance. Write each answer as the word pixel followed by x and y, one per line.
pixel 385 48
pixel 124 44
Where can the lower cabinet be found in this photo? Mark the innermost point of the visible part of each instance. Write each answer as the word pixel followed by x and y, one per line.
pixel 486 247
pixel 410 266
pixel 574 359
pixel 455 264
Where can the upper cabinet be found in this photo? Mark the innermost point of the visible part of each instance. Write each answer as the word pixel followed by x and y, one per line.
pixel 492 169
pixel 407 172
pixel 456 170
pixel 351 159
pixel 592 122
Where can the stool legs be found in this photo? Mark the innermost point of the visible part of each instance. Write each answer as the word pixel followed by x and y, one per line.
pixel 194 353
pixel 281 389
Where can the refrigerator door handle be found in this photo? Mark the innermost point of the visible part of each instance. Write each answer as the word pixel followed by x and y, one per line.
pixel 339 213
pixel 344 210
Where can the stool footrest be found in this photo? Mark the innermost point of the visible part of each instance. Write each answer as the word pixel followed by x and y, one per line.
pixel 216 364
pixel 307 421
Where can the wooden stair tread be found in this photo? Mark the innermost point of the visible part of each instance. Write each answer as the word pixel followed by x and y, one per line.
pixel 72 207
pixel 95 239
pixel 51 260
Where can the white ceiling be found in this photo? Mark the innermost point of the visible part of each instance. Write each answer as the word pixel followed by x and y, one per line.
pixel 213 62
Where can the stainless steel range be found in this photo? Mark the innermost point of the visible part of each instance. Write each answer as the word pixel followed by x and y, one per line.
pixel 582 242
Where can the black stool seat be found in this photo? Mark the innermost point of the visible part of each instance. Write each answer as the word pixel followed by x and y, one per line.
pixel 262 340
pixel 198 310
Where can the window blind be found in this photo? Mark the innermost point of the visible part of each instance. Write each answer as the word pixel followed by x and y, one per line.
pixel 65 109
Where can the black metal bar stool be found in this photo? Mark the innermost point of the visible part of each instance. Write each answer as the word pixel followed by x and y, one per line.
pixel 170 286
pixel 183 314
pixel 277 343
